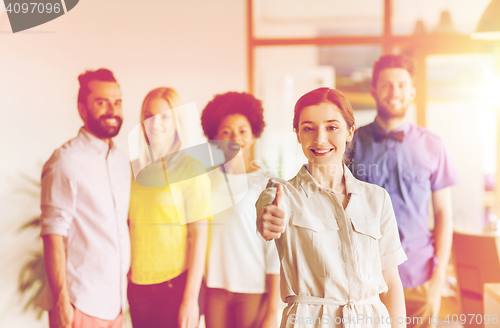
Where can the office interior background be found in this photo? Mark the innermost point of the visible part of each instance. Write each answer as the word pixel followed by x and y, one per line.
pixel 276 49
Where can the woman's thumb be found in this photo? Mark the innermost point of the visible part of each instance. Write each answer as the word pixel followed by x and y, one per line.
pixel 279 196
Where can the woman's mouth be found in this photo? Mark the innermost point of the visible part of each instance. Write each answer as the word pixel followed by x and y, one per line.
pixel 234 146
pixel 321 152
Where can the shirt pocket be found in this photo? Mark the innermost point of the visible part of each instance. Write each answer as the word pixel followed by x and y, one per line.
pixel 417 184
pixel 316 243
pixel 366 233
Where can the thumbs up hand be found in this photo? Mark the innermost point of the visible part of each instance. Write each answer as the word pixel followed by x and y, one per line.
pixel 271 221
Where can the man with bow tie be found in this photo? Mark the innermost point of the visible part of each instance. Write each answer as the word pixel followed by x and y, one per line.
pixel 413 165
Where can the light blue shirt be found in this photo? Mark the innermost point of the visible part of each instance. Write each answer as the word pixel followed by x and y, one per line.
pixel 85 198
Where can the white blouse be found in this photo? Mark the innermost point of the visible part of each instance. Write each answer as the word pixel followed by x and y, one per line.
pixel 238 260
pixel 332 259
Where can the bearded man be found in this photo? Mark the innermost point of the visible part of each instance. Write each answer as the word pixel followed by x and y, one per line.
pixel 84 202
pixel 413 165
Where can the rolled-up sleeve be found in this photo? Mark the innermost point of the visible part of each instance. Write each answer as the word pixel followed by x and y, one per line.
pixel 58 197
pixel 391 252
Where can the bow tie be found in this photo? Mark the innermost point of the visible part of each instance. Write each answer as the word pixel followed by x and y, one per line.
pixel 381 135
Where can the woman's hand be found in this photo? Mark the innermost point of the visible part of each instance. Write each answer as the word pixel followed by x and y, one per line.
pixel 189 314
pixel 271 221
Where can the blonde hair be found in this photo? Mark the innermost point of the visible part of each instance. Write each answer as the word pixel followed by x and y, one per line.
pixel 174 100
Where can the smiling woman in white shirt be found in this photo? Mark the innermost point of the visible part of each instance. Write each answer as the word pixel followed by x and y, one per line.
pixel 242 270
pixel 336 236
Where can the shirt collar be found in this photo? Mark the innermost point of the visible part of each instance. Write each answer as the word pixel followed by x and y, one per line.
pixel 90 140
pixel 405 127
pixel 311 186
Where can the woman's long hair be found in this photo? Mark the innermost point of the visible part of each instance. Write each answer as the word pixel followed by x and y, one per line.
pixel 173 99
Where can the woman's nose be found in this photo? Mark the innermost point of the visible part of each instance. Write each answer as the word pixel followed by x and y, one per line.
pixel 157 122
pixel 321 137
pixel 235 136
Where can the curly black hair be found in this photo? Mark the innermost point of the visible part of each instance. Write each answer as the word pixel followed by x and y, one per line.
pixel 231 103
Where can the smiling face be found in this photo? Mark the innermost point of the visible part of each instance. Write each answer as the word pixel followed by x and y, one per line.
pixel 102 113
pixel 236 128
pixel 159 126
pixel 323 134
pixel 393 92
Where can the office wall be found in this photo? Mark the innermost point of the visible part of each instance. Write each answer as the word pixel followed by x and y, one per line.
pixel 197 47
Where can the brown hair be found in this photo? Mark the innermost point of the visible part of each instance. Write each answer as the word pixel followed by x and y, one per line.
pixel 392 61
pixel 102 74
pixel 322 95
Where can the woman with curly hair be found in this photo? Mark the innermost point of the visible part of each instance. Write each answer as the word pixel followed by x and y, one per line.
pixel 242 270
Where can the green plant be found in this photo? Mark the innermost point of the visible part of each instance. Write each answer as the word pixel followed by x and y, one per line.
pixel 31 280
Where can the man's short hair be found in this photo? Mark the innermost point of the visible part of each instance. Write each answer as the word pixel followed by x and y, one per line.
pixel 392 61
pixel 102 74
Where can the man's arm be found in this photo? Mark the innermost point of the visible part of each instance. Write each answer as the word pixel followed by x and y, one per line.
pixel 443 235
pixel 394 299
pixel 62 313
pixel 443 228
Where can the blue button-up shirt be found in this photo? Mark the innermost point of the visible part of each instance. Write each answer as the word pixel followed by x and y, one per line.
pixel 410 171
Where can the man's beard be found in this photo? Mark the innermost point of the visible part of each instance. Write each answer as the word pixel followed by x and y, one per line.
pixel 99 127
pixel 386 113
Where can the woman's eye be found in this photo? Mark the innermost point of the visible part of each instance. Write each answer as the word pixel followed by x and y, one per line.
pixel 307 128
pixel 332 128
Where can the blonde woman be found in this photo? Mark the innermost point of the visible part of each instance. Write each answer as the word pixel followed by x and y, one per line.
pixel 168 256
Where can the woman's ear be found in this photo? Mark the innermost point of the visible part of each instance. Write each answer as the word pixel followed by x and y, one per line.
pixel 298 138
pixel 351 133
